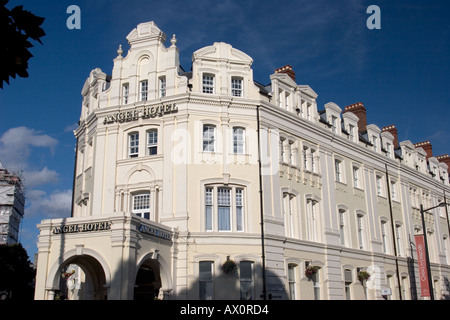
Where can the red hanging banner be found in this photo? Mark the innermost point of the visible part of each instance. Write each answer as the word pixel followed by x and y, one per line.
pixel 421 257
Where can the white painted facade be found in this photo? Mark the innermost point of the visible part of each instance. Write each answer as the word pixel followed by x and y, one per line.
pixel 168 187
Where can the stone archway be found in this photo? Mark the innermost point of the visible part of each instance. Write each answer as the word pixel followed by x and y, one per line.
pixel 84 273
pixel 82 278
pixel 148 281
pixel 153 270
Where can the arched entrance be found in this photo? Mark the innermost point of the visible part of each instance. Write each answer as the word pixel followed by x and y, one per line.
pixel 148 281
pixel 81 278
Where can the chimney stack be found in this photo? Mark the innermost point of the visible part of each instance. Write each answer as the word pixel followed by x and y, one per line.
pixel 445 159
pixel 425 145
pixel 392 130
pixel 288 70
pixel 360 111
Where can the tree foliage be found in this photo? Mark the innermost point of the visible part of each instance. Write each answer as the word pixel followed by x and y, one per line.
pixel 17 27
pixel 16 272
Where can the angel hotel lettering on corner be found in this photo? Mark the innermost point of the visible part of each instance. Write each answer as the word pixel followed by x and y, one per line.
pixel 144 113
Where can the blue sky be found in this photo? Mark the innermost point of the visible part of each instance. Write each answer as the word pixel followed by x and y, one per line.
pixel 400 72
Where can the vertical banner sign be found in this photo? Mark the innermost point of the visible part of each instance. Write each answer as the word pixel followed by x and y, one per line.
pixel 423 274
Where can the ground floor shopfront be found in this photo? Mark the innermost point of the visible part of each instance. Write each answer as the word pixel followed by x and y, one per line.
pixel 125 257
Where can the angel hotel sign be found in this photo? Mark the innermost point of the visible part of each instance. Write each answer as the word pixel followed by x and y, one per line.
pixel 143 112
pixel 84 227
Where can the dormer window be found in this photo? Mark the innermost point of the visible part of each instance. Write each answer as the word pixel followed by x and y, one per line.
pixel 334 124
pixel 351 132
pixel 388 150
pixel 375 143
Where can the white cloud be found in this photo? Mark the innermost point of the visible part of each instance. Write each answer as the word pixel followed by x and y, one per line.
pixel 16 144
pixel 40 177
pixel 71 127
pixel 18 152
pixel 56 205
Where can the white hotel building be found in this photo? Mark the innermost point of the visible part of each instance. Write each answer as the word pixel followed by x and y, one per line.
pixel 178 172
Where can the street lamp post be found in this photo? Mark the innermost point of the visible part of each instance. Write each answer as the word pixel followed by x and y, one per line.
pixel 422 211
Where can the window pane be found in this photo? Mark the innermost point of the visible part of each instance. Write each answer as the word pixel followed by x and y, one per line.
pixel 208 138
pixel 246 270
pixel 144 90
pixel 236 87
pixel 239 210
pixel 246 280
pixel 238 140
pixel 205 270
pixel 134 145
pixel 208 84
pixel 208 218
pixel 224 218
pixel 205 280
pixel 224 196
pixel 152 142
pixel 162 87
pixel 125 93
pixel 224 202
pixel 209 196
pixel 141 205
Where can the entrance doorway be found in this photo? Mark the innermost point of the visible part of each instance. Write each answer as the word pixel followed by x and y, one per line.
pixel 81 278
pixel 148 281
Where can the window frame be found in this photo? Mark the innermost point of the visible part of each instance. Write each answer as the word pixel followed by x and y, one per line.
pixel 237 86
pixel 250 280
pixel 339 170
pixel 162 86
pixel 235 205
pixel 208 83
pixel 209 140
pixel 133 144
pixel 143 93
pixel 144 212
pixel 239 145
pixel 125 93
pixel 151 143
pixel 206 281
pixel 361 229
pixel 357 176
